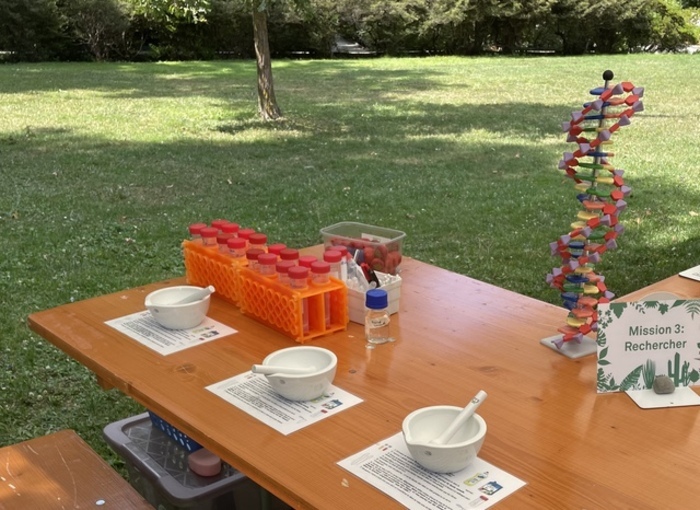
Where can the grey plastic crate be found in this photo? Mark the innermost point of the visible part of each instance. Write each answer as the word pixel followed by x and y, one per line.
pixel 157 468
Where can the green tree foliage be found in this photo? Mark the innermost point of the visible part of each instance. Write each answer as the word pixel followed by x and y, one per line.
pixel 100 26
pixel 203 29
pixel 31 30
pixel 613 26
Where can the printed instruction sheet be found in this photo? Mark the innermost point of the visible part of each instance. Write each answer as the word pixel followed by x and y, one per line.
pixel 693 273
pixel 389 467
pixel 253 394
pixel 143 328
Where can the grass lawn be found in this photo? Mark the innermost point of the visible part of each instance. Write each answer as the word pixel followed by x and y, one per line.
pixel 103 166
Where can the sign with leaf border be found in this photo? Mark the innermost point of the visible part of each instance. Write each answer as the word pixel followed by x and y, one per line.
pixel 640 340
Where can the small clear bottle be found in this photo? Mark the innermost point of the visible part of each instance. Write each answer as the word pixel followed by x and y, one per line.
pixel 298 280
pixel 343 261
pixel 218 223
pixel 267 264
pixel 320 277
pixel 195 230
pixel 290 254
pixel 245 233
pixel 230 228
pixel 276 248
pixel 333 257
pixel 258 241
pixel 307 260
pixel 222 242
pixel 252 255
pixel 282 267
pixel 377 319
pixel 236 247
pixel 209 236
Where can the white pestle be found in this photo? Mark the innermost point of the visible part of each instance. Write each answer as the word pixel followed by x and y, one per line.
pixel 460 419
pixel 274 369
pixel 196 295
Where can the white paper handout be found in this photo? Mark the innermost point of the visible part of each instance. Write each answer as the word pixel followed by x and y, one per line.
pixel 693 273
pixel 253 394
pixel 389 467
pixel 143 328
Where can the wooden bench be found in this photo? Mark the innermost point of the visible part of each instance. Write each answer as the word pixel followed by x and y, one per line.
pixel 60 470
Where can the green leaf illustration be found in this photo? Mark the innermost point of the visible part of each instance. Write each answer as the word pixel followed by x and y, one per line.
pixel 663 308
pixel 632 379
pixel 602 339
pixel 693 308
pixel 603 362
pixel 618 308
pixel 678 302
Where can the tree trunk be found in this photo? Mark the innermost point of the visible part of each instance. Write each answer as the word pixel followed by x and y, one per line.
pixel 267 103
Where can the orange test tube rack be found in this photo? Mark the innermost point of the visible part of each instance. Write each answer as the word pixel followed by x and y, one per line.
pixel 206 266
pixel 265 299
pixel 281 307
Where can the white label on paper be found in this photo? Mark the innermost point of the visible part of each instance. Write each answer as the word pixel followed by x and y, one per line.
pixel 389 467
pixel 143 328
pixel 253 394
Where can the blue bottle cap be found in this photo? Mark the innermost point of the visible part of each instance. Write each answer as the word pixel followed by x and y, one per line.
pixel 376 299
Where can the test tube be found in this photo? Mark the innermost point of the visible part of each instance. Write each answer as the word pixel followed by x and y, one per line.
pixel 298 280
pixel 333 257
pixel 290 254
pixel 307 260
pixel 267 264
pixel 217 223
pixel 282 268
pixel 236 247
pixel 320 272
pixel 209 236
pixel 252 255
pixel 230 228
pixel 222 241
pixel 276 248
pixel 245 234
pixel 195 230
pixel 343 261
pixel 257 240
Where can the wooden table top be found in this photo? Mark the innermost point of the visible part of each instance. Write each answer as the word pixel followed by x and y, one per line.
pixel 61 471
pixel 456 335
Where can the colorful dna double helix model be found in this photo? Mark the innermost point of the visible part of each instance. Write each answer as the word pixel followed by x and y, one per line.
pixel 602 193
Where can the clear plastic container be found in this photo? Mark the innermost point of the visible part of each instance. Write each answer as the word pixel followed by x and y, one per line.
pixel 380 248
